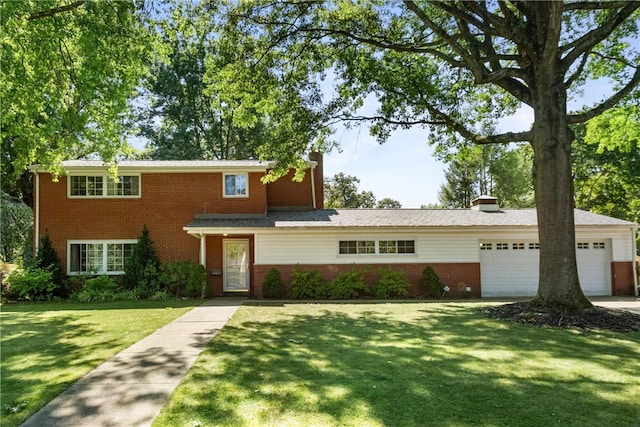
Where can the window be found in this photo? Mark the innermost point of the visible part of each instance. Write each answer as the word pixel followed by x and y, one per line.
pixel 99 257
pixel 517 246
pixel 598 245
pixel 361 247
pixel 486 246
pixel 534 245
pixel 583 245
pixel 104 186
pixel 235 185
pixel 396 247
pixel 502 246
pixel 123 186
pixel 357 247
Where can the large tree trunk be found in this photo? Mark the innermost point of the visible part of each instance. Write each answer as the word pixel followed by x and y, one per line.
pixel 559 286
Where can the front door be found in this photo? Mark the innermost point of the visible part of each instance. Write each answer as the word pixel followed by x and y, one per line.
pixel 236 265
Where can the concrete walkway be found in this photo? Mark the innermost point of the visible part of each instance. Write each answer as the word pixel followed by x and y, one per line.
pixel 130 388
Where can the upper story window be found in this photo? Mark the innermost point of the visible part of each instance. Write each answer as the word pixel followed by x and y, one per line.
pixel 236 185
pixel 104 186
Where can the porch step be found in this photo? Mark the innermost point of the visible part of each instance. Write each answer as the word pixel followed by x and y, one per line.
pixel 235 294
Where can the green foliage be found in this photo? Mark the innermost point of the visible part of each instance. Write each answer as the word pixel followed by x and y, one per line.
pixel 184 279
pixel 47 258
pixel 388 203
pixel 35 284
pixel 184 116
pixel 272 285
pixel 16 224
pixel 606 164
pixel 430 282
pixel 65 99
pixel 96 289
pixel 342 192
pixel 488 170
pixel 392 283
pixel 307 284
pixel 348 285
pixel 142 269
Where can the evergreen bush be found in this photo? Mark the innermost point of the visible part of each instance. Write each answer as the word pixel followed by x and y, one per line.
pixel 392 283
pixel 184 279
pixel 272 285
pixel 47 259
pixel 307 284
pixel 348 285
pixel 430 282
pixel 142 269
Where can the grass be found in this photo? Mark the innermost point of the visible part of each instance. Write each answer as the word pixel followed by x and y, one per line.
pixel 411 364
pixel 47 347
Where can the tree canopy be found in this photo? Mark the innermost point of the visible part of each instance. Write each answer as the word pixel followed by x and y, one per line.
pixel 454 68
pixel 68 71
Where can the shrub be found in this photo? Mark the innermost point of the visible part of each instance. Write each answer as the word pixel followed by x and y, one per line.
pixel 33 284
pixel 142 269
pixel 307 284
pixel 184 279
pixel 392 283
pixel 97 289
pixel 47 259
pixel 272 285
pixel 348 285
pixel 430 282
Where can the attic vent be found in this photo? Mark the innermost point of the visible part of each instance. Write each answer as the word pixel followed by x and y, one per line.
pixel 485 204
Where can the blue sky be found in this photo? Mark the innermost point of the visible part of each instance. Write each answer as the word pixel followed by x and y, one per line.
pixel 404 168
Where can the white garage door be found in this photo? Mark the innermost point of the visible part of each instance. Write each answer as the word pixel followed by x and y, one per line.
pixel 510 268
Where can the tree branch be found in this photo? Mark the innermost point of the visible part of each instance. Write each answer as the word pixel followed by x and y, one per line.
pixel 609 103
pixel 56 10
pixel 593 5
pixel 588 41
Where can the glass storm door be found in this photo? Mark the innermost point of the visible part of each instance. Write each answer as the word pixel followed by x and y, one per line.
pixel 236 265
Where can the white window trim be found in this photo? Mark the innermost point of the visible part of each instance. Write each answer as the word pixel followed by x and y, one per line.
pixel 377 252
pixel 224 186
pixel 104 186
pixel 104 255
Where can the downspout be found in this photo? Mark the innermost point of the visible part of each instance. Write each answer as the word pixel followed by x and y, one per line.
pixel 634 262
pixel 203 250
pixel 313 187
pixel 36 212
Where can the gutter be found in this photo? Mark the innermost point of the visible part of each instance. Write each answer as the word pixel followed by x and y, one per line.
pixel 634 258
pixel 313 186
pixel 36 212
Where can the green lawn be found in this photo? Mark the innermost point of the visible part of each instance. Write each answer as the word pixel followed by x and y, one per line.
pixel 402 365
pixel 47 347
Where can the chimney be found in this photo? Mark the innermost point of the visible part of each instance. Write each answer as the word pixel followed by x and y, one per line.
pixel 318 177
pixel 485 204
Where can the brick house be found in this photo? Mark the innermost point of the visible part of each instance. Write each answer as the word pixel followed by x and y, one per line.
pixel 220 214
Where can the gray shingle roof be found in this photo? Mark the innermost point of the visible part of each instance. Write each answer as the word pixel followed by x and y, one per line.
pixel 394 218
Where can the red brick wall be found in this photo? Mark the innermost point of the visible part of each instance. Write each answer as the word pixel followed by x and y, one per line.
pixel 622 278
pixel 456 275
pixel 288 193
pixel 168 203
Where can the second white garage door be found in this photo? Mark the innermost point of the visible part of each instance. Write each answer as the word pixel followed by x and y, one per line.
pixel 510 268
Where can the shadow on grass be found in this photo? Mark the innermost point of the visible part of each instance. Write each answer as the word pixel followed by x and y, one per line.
pixel 437 365
pixel 45 350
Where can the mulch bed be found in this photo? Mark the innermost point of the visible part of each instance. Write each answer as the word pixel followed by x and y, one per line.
pixel 595 318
